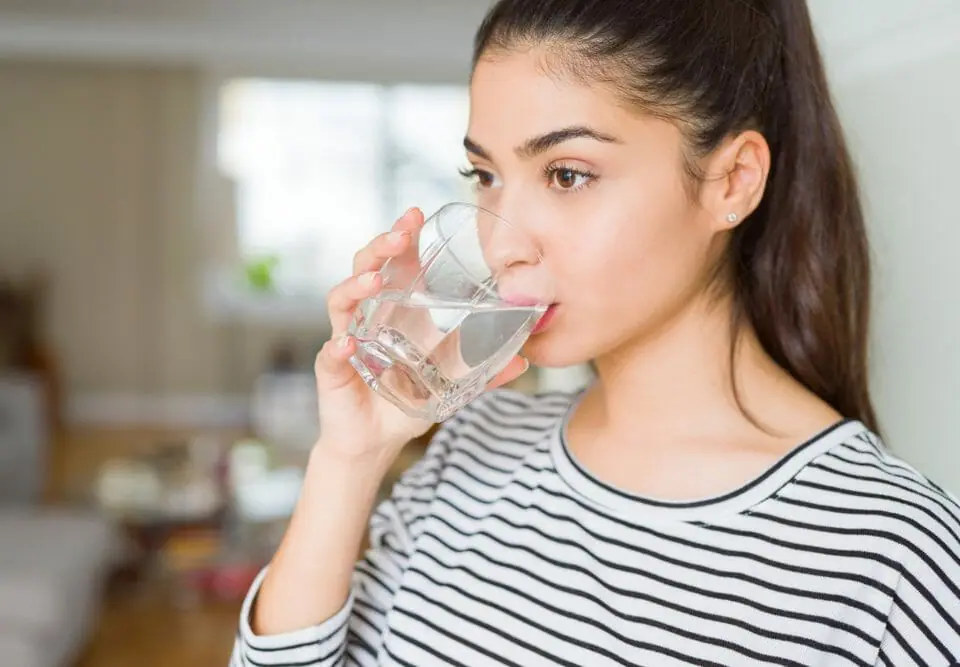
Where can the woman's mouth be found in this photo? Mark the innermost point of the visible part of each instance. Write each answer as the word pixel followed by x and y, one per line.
pixel 545 319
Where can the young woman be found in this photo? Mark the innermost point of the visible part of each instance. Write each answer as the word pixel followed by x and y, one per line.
pixel 719 495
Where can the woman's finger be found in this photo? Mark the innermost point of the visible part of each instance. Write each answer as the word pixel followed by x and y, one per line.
pixel 342 300
pixel 332 366
pixel 374 255
pixel 399 240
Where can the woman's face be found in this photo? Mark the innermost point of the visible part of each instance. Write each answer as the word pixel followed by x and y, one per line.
pixel 601 191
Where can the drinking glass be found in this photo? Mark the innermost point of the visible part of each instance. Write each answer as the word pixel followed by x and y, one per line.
pixel 453 311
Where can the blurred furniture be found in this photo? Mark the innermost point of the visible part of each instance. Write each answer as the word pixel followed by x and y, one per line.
pixel 283 410
pixel 24 439
pixel 176 503
pixel 154 495
pixel 53 564
pixel 53 561
pixel 23 348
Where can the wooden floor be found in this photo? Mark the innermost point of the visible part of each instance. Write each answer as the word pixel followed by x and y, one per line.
pixel 136 632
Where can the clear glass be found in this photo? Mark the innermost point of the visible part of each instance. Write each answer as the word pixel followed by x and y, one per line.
pixel 453 311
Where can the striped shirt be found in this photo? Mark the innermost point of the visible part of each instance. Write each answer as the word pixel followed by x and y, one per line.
pixel 498 548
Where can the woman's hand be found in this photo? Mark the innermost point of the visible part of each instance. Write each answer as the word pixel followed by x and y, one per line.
pixel 356 423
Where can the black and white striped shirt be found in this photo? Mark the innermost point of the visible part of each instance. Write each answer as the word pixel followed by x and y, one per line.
pixel 497 548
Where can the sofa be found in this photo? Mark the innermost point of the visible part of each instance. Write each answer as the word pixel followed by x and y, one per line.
pixel 53 564
pixel 53 560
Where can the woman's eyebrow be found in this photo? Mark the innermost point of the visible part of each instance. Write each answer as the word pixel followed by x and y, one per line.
pixel 541 143
pixel 475 148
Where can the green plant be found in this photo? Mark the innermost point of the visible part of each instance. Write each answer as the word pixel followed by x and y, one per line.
pixel 259 272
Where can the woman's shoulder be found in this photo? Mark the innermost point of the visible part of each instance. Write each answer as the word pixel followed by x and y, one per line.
pixel 865 480
pixel 866 461
pixel 914 525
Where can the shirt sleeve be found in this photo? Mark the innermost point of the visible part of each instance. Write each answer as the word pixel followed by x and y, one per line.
pixel 355 633
pixel 923 627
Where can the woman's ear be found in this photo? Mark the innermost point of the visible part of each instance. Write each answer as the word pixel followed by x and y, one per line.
pixel 736 175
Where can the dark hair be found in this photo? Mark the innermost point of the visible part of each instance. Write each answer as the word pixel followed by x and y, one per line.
pixel 799 265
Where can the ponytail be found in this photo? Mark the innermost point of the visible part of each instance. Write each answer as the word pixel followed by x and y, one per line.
pixel 802 261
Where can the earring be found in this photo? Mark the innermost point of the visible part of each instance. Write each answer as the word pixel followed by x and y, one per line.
pixel 732 217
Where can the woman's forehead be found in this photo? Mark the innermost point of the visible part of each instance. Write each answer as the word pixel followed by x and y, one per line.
pixel 512 98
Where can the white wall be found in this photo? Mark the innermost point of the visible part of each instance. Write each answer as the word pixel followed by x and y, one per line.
pixel 904 128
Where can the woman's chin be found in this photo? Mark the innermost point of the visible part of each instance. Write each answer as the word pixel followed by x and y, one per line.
pixel 552 349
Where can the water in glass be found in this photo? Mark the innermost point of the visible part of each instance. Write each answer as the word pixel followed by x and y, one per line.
pixel 433 354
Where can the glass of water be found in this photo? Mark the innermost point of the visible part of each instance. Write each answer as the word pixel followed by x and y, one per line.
pixel 453 311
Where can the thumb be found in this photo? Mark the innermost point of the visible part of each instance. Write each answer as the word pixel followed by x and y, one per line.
pixel 332 366
pixel 514 369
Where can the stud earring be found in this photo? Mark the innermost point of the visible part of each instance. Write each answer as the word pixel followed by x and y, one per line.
pixel 732 217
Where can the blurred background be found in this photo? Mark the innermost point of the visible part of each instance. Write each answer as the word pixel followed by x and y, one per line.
pixel 181 180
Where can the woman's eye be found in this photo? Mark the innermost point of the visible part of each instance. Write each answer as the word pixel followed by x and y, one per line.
pixel 568 179
pixel 483 179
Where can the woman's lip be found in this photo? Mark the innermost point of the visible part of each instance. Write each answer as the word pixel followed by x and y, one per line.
pixel 522 301
pixel 545 319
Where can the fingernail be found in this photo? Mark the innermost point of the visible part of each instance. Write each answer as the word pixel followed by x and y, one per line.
pixel 397 237
pixel 409 211
pixel 526 365
pixel 344 340
pixel 367 278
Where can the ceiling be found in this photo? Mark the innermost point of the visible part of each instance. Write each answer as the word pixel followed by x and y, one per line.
pixel 415 38
pixel 418 38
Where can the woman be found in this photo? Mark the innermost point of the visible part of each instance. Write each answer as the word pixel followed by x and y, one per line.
pixel 719 495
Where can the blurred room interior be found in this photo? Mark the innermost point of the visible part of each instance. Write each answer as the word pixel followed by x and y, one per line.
pixel 181 180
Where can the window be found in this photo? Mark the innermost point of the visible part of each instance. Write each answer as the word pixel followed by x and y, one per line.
pixel 320 167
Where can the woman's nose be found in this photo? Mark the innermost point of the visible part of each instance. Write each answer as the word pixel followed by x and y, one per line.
pixel 505 243
pixel 514 258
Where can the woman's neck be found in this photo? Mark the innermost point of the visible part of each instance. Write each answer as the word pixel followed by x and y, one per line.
pixel 663 420
pixel 678 380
